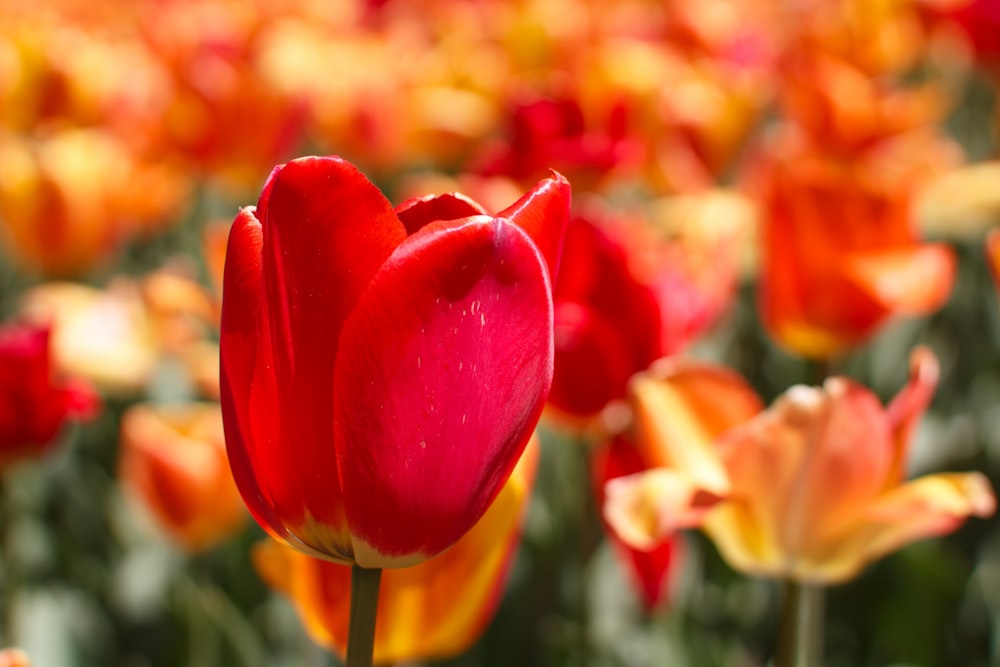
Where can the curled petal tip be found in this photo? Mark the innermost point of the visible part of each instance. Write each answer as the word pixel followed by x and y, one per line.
pixel 982 501
pixel 924 367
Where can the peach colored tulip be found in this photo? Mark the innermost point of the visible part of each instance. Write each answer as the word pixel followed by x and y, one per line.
pixel 810 489
pixel 173 460
pixel 106 336
pixel 432 610
pixel 14 657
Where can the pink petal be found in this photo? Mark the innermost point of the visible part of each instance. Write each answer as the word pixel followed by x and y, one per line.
pixel 544 214
pixel 440 379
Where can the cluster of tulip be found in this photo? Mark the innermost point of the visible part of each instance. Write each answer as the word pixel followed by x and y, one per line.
pixel 380 384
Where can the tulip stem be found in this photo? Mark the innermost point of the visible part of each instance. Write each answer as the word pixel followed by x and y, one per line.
pixel 801 626
pixel 364 610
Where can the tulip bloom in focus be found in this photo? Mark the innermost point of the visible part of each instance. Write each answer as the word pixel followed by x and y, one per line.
pixel 810 489
pixel 33 405
pixel 382 370
pixel 173 459
pixel 436 609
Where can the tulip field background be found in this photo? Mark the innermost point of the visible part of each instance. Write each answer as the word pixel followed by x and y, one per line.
pixel 131 133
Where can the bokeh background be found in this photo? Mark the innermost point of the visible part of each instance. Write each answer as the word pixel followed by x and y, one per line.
pixel 132 132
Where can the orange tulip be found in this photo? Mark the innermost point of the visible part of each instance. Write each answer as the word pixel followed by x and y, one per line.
pixel 68 201
pixel 810 489
pixel 840 250
pixel 432 610
pixel 173 459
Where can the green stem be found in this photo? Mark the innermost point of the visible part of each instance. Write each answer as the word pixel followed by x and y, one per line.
pixel 8 560
pixel 364 610
pixel 801 626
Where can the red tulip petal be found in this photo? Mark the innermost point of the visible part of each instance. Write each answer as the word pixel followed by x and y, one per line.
pixel 325 231
pixel 593 360
pixel 241 308
pixel 419 211
pixel 544 213
pixel 440 379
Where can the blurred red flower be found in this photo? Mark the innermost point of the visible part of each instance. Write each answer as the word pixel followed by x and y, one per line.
pixel 33 403
pixel 632 290
pixel 382 370
pixel 554 132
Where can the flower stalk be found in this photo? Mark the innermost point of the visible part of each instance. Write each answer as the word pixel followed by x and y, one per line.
pixel 364 610
pixel 800 642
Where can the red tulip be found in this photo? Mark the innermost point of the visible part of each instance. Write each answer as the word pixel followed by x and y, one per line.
pixel 382 370
pixel 627 296
pixel 33 406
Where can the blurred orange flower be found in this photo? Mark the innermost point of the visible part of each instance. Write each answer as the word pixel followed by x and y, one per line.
pixel 69 200
pixel 219 97
pixel 432 610
pixel 841 252
pixel 173 460
pixel 845 110
pixel 810 489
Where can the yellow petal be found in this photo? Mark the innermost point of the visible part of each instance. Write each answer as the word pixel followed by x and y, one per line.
pixel 927 507
pixel 646 508
pixel 911 281
pixel 435 609
pixel 680 408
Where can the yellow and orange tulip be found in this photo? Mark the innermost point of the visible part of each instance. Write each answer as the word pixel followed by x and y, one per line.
pixel 810 489
pixel 432 610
